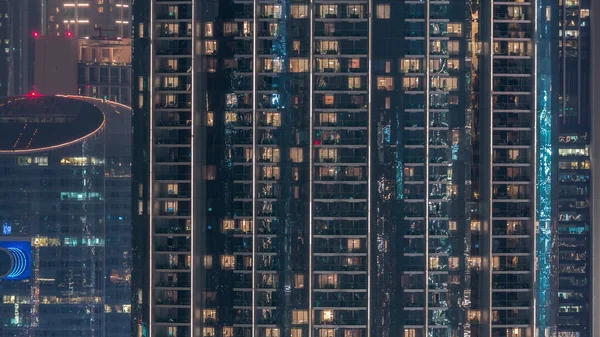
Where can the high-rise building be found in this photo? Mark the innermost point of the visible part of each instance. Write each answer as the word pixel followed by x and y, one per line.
pixel 104 69
pixel 345 168
pixel 93 67
pixel 19 20
pixel 86 17
pixel 65 252
pixel 574 169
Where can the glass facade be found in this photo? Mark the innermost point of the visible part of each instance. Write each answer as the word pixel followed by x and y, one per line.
pixel 104 69
pixel 344 168
pixel 574 171
pixel 65 191
pixel 86 18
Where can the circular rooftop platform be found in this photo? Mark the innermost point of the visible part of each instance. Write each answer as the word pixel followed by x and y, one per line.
pixel 36 123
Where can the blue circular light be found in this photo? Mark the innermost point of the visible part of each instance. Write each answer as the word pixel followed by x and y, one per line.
pixel 19 262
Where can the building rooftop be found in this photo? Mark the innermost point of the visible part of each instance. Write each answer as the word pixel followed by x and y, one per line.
pixel 34 123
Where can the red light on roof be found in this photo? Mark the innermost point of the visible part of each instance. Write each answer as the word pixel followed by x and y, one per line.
pixel 36 34
pixel 69 34
pixel 33 93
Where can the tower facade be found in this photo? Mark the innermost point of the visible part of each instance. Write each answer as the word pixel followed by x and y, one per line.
pixel 575 171
pixel 344 168
pixel 65 240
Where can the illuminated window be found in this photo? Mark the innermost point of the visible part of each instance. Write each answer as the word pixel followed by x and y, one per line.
pixel 354 63
pixel 352 333
pixel 388 103
pixel 227 331
pixel 410 333
pixel 328 155
pixel 327 316
pixel 271 332
pixel 171 207
pixel 353 245
pixel 410 65
pixel 330 65
pixel 299 316
pixel 229 28
pixel 385 83
pixel 329 11
pixel 351 262
pixel 453 64
pixel 272 65
pixel 297 154
pixel 354 82
pixel 328 118
pixel 296 332
pixel 584 13
pixel 327 332
pixel 210 118
pixel 327 281
pixel 269 154
pixel 411 83
pixel 475 225
pixel 454 29
pixel 299 11
pixel 208 261
pixel 210 47
pixel 298 65
pixel 355 11
pixel 383 11
pixel 272 11
pixel 329 47
pixel 245 226
pixel 230 117
pixel 247 262
pixel 452 225
pixel 209 315
pixel 435 263
pixel 388 67
pixel 208 331
pixel 444 83
pixel 227 261
pixel 270 172
pixel 296 46
pixel 172 189
pixel 328 99
pixel 453 47
pixel 227 225
pixel 453 263
pixel 299 281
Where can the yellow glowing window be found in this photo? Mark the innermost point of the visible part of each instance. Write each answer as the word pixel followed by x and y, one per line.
pixel 385 83
pixel 383 11
pixel 208 29
pixel 227 261
pixel 299 11
pixel 299 281
pixel 245 226
pixel 228 225
pixel 299 316
pixel 208 261
pixel 298 65
pixel 327 316
pixel 297 154
pixel 210 47
pixel 209 315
